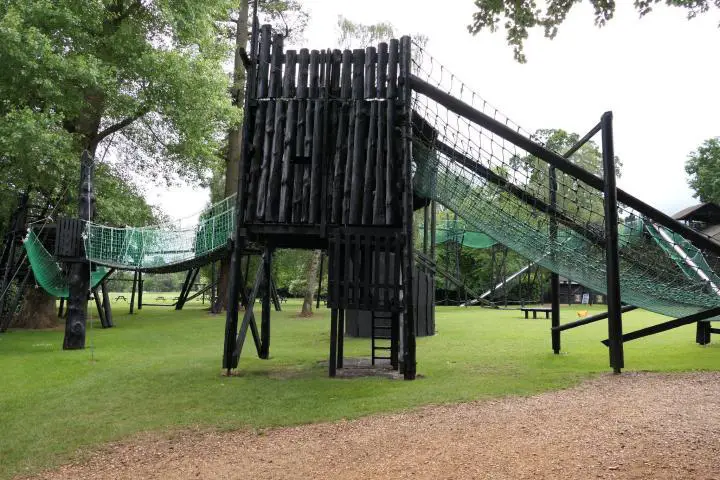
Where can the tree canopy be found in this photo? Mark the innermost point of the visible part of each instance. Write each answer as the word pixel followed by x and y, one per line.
pixel 703 168
pixel 518 16
pixel 144 78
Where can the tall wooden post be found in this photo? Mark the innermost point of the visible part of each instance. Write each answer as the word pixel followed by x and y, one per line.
pixel 612 254
pixel 554 277
pixel 132 295
pixel 141 288
pixel 79 272
pixel 265 322
pixel 409 362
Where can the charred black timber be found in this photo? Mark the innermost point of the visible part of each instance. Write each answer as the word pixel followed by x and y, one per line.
pixel 330 125
pixel 316 170
pixel 340 159
pixel 463 109
pixel 332 360
pixel 591 319
pixel 320 277
pixel 286 181
pixel 612 250
pixel 270 147
pixel 341 338
pixel 703 333
pixel 409 358
pixel 554 277
pixel 265 318
pixel 258 139
pixel 359 136
pixel 669 325
pixel 370 167
pixel 107 308
pixel 299 168
pixel 392 162
pixel 370 88
pixel 380 163
pixel 99 306
pixel 248 320
pixel 313 94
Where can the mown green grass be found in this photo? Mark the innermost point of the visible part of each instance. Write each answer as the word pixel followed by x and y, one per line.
pixel 160 370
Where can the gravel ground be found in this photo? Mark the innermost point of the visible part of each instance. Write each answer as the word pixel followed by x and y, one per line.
pixel 644 426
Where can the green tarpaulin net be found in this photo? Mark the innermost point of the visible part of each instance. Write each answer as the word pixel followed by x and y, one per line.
pixel 47 271
pixel 458 232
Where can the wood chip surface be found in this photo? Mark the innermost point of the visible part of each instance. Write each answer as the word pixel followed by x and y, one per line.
pixel 632 426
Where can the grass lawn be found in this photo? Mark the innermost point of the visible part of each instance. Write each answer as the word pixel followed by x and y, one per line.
pixel 160 370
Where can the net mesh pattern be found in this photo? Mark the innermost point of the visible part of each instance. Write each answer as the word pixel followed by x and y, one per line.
pixel 500 189
pixel 161 246
pixel 457 231
pixel 47 271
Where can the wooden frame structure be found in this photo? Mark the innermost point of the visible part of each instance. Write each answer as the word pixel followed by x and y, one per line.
pixel 326 165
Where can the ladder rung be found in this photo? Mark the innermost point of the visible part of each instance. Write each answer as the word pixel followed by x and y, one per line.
pixel 382 348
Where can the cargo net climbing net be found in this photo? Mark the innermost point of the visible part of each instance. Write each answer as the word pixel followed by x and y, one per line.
pixel 502 190
pixel 175 245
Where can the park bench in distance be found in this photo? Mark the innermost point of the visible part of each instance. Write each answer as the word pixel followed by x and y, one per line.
pixel 535 311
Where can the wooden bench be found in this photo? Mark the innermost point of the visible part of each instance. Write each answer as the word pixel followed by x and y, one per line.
pixel 536 310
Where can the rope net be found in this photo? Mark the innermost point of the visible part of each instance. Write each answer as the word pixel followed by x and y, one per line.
pixel 175 243
pixel 47 271
pixel 503 191
pixel 457 231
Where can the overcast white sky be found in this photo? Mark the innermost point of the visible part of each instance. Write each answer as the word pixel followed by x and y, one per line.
pixel 659 75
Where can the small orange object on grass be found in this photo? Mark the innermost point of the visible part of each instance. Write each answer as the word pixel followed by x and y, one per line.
pixel 582 313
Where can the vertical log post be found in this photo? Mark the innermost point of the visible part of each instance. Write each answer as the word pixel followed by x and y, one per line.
pixel 266 309
pixel 391 187
pixel 79 272
pixel 380 163
pixel 358 156
pixel 258 140
pixel 340 160
pixel 316 155
pixel 370 92
pixel 612 254
pixel 286 181
pixel 554 277
pixel 406 183
pixel 132 294
pixel 270 148
pixel 107 308
pixel 299 169
pixel 141 288
pixel 313 93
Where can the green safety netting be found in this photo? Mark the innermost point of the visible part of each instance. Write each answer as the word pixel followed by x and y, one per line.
pixel 48 273
pixel 457 231
pixel 164 245
pixel 498 188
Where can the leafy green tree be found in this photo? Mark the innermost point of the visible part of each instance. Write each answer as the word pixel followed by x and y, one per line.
pixel 703 167
pixel 143 78
pixel 518 16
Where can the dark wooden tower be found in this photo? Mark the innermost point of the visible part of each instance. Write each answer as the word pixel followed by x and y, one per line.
pixel 326 165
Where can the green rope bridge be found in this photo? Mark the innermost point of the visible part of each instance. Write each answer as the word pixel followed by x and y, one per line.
pixel 502 190
pixel 160 248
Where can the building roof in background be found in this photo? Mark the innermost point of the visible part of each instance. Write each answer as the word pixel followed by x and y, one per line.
pixel 703 212
pixel 713 232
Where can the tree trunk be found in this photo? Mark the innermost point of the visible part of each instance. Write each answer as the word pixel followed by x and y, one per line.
pixel 232 161
pixel 312 274
pixel 38 310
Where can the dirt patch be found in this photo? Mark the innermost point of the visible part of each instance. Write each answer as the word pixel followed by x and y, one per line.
pixel 632 426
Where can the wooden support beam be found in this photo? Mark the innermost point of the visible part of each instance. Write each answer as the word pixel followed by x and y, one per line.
pixel 669 325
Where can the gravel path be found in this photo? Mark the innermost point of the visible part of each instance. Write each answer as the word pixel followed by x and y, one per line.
pixel 644 426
